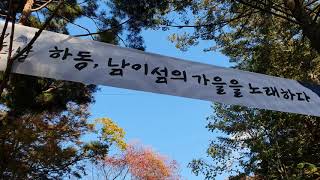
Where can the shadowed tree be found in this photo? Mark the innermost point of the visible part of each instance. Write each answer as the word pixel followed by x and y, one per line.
pixel 43 120
pixel 271 37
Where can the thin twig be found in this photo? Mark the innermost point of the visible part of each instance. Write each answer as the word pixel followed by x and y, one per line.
pixel 5 26
pixel 106 30
pixel 125 175
pixel 3 15
pixel 42 6
pixel 5 77
pixel 276 7
pixel 267 11
pixel 242 15
pixel 69 21
pixel 124 43
pixel 91 18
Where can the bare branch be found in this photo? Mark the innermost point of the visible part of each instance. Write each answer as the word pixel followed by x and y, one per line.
pixel 69 21
pixel 277 8
pixel 213 24
pixel 91 18
pixel 42 6
pixel 267 11
pixel 125 175
pixel 106 30
pixel 124 43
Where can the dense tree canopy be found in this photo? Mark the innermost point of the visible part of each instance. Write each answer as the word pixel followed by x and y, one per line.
pixel 276 37
pixel 43 120
pixel 271 37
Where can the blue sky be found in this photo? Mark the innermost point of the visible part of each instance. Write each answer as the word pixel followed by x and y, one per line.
pixel 172 126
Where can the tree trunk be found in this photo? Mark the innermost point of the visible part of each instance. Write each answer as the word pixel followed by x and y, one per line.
pixel 26 12
pixel 310 28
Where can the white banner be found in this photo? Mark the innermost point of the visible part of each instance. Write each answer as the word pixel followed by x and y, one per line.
pixel 64 57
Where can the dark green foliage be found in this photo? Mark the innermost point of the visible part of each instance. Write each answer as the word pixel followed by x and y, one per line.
pixel 268 144
pixel 133 16
pixel 259 143
pixel 35 95
pixel 42 120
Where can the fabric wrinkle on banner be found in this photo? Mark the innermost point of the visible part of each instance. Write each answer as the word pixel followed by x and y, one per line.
pixel 63 57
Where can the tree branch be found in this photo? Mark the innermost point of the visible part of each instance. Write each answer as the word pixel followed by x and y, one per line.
pixel 91 18
pixel 106 30
pixel 276 7
pixel 69 21
pixel 28 47
pixel 125 175
pixel 213 24
pixel 120 172
pixel 267 11
pixel 5 26
pixel 42 6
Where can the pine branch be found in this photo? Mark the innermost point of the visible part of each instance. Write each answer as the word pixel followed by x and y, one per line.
pixel 242 15
pixel 69 21
pixel 276 7
pixel 267 11
pixel 106 30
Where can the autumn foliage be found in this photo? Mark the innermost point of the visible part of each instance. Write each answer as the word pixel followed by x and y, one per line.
pixel 141 163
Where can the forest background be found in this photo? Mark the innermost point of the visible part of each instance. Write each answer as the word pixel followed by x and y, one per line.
pixel 279 38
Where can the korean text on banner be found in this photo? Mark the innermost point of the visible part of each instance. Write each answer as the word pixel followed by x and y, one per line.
pixel 64 57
